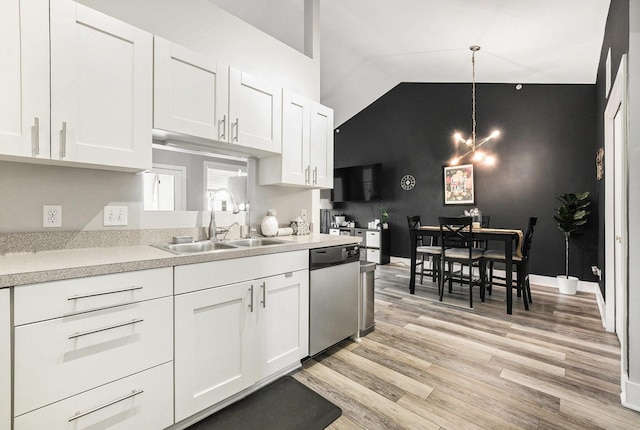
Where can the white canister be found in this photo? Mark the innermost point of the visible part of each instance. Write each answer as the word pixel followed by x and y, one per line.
pixel 269 225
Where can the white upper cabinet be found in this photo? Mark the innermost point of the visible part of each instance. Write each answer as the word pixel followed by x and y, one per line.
pixel 101 88
pixel 321 146
pixel 197 98
pixel 191 92
pixel 255 109
pixel 307 146
pixel 24 78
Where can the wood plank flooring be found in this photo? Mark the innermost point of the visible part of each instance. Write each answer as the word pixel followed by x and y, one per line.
pixel 441 365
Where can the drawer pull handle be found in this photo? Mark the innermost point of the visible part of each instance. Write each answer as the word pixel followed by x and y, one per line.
pixel 98 330
pixel 102 293
pixel 113 402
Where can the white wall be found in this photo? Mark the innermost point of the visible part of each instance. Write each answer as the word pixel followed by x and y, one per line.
pixel 633 385
pixel 198 25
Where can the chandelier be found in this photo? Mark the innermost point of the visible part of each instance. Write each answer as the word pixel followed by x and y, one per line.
pixel 471 144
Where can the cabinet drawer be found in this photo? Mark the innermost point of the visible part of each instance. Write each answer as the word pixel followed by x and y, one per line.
pixel 194 277
pixel 62 357
pixel 140 401
pixel 373 239
pixel 373 255
pixel 38 302
pixel 362 234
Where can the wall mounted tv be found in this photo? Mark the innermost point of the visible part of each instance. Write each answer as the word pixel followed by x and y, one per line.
pixel 357 183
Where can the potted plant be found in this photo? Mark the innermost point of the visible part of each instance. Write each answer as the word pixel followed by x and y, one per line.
pixel 384 217
pixel 569 217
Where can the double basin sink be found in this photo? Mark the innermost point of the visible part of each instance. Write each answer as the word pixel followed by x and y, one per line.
pixel 209 246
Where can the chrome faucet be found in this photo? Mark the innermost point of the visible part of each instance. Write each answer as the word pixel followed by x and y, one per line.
pixel 213 230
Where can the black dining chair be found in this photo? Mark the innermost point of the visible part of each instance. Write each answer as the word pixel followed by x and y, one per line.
pixel 424 252
pixel 521 264
pixel 457 246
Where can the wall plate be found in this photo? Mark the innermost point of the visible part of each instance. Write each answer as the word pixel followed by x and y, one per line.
pixel 115 216
pixel 51 216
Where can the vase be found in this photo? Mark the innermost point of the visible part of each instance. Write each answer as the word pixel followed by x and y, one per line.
pixel 269 225
pixel 567 285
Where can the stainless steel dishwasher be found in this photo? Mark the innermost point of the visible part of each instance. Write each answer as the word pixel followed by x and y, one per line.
pixel 333 295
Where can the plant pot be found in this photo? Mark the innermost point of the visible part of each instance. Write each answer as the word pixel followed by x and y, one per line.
pixel 567 285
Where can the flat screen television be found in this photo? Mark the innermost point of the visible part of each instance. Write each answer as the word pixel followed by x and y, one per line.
pixel 357 183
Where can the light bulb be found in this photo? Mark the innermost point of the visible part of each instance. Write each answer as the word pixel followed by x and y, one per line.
pixel 454 162
pixel 490 160
pixel 478 156
pixel 495 133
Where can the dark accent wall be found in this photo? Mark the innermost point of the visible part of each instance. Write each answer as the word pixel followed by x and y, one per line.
pixel 547 147
pixel 616 37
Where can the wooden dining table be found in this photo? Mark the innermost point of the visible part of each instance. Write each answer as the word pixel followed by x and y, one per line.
pixel 509 237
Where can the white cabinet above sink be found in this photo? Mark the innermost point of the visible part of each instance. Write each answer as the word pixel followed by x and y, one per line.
pixel 199 101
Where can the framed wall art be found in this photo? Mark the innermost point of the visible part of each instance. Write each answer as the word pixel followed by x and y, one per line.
pixel 459 186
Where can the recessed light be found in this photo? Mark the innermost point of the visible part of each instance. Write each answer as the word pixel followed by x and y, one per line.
pixel 518 87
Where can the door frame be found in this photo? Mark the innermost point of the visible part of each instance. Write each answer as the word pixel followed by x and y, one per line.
pixel 617 104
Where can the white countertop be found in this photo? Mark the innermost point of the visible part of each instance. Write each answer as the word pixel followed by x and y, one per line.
pixel 34 267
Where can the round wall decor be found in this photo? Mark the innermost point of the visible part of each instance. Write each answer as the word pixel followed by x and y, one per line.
pixel 407 182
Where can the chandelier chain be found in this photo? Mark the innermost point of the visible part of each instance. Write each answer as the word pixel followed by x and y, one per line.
pixel 473 99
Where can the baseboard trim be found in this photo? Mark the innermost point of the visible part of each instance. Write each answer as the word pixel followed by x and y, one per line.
pixel 630 396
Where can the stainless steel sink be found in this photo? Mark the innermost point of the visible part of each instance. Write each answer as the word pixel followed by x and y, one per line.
pixel 194 247
pixel 256 241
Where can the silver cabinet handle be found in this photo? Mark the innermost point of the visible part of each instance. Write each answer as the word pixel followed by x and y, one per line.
pixel 63 140
pixel 251 302
pixel 315 175
pixel 113 402
pixel 264 294
pixel 111 327
pixel 237 126
pixel 222 127
pixel 35 136
pixel 102 293
pixel 306 175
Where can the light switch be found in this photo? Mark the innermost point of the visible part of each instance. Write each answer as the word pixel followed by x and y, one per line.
pixel 115 216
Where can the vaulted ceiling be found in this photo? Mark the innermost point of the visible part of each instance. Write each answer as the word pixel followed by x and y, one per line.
pixel 370 46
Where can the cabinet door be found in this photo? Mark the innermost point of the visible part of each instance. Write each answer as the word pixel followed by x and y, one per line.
pixel 213 346
pixel 282 321
pixel 295 139
pixel 321 144
pixel 101 88
pixel 255 113
pixel 5 360
pixel 24 78
pixel 190 92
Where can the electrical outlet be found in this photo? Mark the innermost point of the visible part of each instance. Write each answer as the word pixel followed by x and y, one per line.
pixel 115 216
pixel 51 216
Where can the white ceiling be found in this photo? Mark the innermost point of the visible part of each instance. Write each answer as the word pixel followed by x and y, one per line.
pixel 369 46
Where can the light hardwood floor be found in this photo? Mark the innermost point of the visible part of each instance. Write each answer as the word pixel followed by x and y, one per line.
pixel 441 365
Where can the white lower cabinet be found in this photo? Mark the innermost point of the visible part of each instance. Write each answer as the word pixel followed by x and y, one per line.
pixel 58 358
pixel 213 348
pixel 282 320
pixel 5 359
pixel 230 337
pixel 96 353
pixel 140 401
